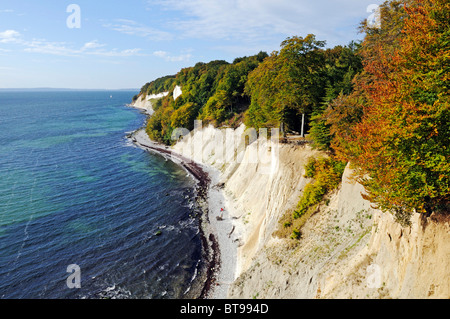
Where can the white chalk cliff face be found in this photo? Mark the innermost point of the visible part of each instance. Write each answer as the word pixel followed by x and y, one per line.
pixel 177 92
pixel 143 104
pixel 157 96
pixel 347 249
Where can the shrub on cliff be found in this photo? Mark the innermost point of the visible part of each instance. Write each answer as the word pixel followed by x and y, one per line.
pixel 287 84
pixel 327 175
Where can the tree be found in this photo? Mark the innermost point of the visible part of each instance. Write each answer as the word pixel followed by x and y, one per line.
pixel 342 65
pixel 184 116
pixel 229 96
pixel 287 84
pixel 212 91
pixel 400 144
pixel 260 88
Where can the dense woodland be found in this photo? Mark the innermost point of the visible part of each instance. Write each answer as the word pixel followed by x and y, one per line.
pixel 381 104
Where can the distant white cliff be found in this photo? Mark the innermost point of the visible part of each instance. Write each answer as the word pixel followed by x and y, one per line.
pixel 157 96
pixel 145 103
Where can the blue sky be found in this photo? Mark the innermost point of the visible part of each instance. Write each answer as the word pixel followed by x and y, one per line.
pixel 124 44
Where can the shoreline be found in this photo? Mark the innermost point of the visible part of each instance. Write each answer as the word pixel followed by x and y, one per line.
pixel 219 249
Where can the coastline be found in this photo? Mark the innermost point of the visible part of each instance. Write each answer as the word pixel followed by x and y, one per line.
pixel 216 226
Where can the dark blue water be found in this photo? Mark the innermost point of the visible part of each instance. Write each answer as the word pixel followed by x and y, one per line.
pixel 73 190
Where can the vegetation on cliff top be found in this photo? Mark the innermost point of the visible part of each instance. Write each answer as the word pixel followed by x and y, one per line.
pixel 212 92
pixel 395 127
pixel 382 104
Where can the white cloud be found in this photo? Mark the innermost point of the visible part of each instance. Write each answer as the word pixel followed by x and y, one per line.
pixel 46 47
pixel 257 20
pixel 168 57
pixel 92 45
pixel 118 53
pixel 90 48
pixel 161 54
pixel 43 46
pixel 131 27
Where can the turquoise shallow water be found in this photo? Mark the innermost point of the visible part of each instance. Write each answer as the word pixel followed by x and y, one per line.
pixel 73 190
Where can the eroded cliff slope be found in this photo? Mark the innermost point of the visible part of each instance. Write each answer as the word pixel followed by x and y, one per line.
pixel 347 248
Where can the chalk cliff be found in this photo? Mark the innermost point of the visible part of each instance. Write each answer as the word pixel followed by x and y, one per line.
pixel 347 249
pixel 143 103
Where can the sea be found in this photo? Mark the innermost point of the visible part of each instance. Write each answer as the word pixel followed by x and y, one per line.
pixel 84 213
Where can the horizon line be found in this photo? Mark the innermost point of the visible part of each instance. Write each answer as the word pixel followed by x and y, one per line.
pixel 66 89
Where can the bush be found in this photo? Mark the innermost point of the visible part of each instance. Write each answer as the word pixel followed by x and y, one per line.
pixel 312 194
pixel 296 234
pixel 326 174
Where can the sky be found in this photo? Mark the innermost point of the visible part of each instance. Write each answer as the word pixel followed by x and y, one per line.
pixel 114 44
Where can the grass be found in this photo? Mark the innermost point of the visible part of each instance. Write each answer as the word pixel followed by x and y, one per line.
pixel 347 250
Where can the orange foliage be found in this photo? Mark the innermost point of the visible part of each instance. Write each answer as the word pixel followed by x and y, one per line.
pixel 401 142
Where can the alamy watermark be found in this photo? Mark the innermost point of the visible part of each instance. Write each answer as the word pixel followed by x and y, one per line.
pixel 74 279
pixel 74 19
pixel 230 146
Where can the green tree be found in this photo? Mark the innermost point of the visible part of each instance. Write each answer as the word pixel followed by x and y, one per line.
pixel 212 91
pixel 287 84
pixel 342 65
pixel 184 116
